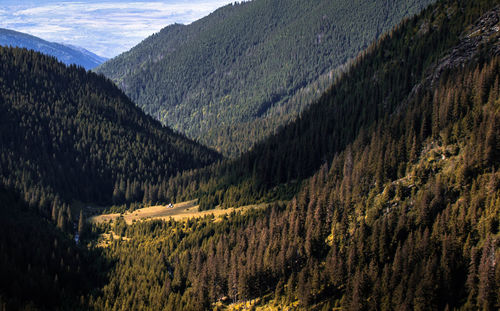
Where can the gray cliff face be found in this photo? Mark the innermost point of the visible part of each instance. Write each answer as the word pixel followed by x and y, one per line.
pixel 483 36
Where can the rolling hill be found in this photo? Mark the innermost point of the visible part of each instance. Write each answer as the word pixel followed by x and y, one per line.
pixel 228 80
pixel 67 54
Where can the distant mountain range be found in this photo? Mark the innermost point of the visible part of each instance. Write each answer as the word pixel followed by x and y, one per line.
pixel 68 54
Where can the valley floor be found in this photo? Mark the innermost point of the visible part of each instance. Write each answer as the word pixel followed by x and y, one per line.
pixel 179 211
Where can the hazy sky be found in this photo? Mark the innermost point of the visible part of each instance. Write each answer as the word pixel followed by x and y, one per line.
pixel 105 27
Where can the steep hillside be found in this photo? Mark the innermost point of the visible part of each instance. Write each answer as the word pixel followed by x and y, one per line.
pixel 404 213
pixel 67 54
pixel 66 134
pixel 379 82
pixel 226 79
pixel 41 267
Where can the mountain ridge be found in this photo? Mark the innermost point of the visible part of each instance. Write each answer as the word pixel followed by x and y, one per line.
pixel 88 141
pixel 243 60
pixel 384 194
pixel 66 53
pixel 403 213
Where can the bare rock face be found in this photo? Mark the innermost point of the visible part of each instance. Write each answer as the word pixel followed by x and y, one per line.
pixel 484 33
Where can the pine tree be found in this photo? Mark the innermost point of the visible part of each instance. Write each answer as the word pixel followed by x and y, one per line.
pixel 81 224
pixel 486 288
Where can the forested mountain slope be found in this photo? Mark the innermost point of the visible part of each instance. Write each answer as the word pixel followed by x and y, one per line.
pixel 65 53
pixel 41 268
pixel 404 212
pixel 67 134
pixel 227 79
pixel 378 84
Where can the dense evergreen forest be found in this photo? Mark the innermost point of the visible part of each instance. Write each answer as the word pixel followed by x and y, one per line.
pixel 69 135
pixel 233 77
pixel 379 83
pixel 41 268
pixel 405 214
pixel 383 195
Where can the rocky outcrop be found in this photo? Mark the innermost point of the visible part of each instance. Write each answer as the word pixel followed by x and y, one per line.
pixel 484 33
